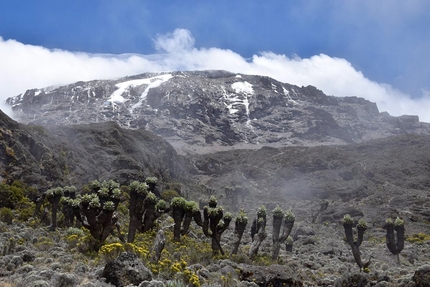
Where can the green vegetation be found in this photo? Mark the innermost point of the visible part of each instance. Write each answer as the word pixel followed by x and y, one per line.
pixel 87 221
pixel 418 238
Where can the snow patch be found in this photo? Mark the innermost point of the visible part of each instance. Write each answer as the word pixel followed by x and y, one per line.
pixel 152 83
pixel 124 87
pixel 242 87
pixel 287 95
pixel 234 101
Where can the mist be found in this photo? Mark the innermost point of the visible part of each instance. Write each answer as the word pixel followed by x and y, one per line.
pixel 26 66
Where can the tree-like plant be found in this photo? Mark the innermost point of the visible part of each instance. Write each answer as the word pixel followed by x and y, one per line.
pixel 215 223
pixel 395 243
pixel 231 196
pixel 98 210
pixel 286 220
pixel 323 206
pixel 153 208
pixel 191 210
pixel 137 191
pixel 145 207
pixel 239 229
pixel 355 245
pixel 69 194
pixel 183 213
pixel 178 212
pixel 258 228
pixel 289 244
pixel 54 195
pixel 152 183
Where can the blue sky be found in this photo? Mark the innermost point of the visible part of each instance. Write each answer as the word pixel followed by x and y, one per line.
pixel 346 48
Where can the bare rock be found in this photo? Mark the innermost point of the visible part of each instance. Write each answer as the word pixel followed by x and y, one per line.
pixel 126 269
pixel 422 277
pixel 274 275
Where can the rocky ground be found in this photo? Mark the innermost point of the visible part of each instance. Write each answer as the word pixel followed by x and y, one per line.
pixel 35 256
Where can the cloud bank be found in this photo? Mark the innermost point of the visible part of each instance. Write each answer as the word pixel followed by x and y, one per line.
pixel 25 66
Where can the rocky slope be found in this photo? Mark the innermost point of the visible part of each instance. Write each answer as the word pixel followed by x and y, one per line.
pixel 302 147
pixel 73 155
pixel 211 110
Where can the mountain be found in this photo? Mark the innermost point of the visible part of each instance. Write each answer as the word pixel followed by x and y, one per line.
pixel 278 142
pixel 207 111
pixel 249 140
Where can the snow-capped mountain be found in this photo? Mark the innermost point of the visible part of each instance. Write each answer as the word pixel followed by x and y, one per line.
pixel 215 109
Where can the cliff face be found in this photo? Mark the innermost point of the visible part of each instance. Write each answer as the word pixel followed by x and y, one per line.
pixel 45 156
pixel 215 110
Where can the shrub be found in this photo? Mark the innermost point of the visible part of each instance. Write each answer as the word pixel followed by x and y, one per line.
pixel 418 238
pixel 26 212
pixel 169 194
pixel 6 215
pixel 10 195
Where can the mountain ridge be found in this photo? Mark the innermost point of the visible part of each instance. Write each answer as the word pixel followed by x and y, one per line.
pixel 206 111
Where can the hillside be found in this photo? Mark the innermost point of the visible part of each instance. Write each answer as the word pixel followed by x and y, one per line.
pixel 247 140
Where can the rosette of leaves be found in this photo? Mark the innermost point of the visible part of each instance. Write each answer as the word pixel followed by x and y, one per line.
pixel 151 179
pixel 69 191
pixel 212 215
pixel 109 206
pixel 289 216
pixel 53 196
pixel 362 224
pixel 239 229
pixel 139 187
pixel 347 219
pixel 262 212
pixel 161 205
pixel 94 185
pixel 103 192
pixel 278 212
pixel 284 220
pixel 355 245
pixel 395 243
pixel 95 203
pixel 110 184
pixel 212 203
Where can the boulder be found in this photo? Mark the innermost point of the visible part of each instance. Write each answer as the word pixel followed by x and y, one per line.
pixel 422 277
pixel 274 275
pixel 126 269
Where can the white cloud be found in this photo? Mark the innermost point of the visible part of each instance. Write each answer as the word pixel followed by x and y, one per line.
pixel 180 40
pixel 26 66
